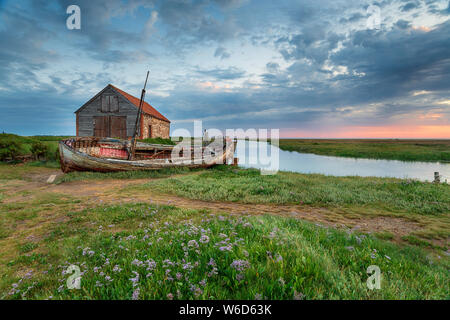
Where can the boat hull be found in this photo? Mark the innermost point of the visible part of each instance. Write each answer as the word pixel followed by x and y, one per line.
pixel 73 160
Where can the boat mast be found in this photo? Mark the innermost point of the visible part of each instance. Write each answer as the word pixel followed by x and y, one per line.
pixel 138 121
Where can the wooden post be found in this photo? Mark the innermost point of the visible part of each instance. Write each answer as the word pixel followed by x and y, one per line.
pixel 138 124
pixel 235 161
pixel 437 178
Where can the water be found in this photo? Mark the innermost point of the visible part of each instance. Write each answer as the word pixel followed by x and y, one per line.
pixel 250 154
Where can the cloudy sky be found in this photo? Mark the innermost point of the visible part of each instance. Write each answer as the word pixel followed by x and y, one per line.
pixel 312 68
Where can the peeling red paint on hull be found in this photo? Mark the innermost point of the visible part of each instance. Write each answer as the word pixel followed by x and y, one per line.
pixel 113 153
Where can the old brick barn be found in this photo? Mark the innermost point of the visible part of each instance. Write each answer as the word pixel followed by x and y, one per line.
pixel 112 113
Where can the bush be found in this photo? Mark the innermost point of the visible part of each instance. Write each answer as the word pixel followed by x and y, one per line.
pixel 39 150
pixel 10 148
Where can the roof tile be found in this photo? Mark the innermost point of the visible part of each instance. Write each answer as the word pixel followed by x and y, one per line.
pixel 147 108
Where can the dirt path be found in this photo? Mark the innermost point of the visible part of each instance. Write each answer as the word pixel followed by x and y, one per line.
pixel 94 192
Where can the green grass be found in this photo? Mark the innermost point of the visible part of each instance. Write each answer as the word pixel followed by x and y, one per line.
pixel 419 242
pixel 281 258
pixel 157 141
pixel 23 171
pixel 394 149
pixel 79 176
pixel 51 138
pixel 45 164
pixel 224 183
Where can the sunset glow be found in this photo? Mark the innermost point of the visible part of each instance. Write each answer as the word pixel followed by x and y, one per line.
pixel 372 132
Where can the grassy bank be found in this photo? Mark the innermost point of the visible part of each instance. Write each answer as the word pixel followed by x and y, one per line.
pixel 163 173
pixel 225 183
pixel 142 251
pixel 406 150
pixel 146 251
pixel 25 170
pixel 23 146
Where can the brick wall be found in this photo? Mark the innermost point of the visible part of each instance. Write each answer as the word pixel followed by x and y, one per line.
pixel 160 128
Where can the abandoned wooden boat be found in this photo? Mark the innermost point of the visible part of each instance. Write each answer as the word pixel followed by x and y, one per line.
pixel 108 155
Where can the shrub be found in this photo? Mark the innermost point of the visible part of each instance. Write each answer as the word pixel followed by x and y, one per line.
pixel 39 150
pixel 10 148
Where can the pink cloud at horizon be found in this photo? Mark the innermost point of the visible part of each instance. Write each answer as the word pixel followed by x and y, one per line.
pixel 373 132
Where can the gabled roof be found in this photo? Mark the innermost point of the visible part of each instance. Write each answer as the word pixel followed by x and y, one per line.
pixel 146 108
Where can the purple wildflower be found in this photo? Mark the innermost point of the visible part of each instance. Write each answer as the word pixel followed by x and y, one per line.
pixel 226 248
pixel 136 294
pixel 193 243
pixel 298 295
pixel 204 239
pixel 135 280
pixel 151 264
pixel 211 262
pixel 240 265
pixel 137 262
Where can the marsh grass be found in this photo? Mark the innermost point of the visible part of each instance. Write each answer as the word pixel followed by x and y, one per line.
pixel 78 176
pixel 391 149
pixel 224 183
pixel 22 171
pixel 161 252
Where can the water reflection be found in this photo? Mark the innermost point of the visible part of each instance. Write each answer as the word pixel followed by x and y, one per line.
pixel 251 155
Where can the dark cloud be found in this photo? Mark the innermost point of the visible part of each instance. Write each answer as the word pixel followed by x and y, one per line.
pixel 319 63
pixel 273 67
pixel 397 61
pixel 353 18
pixel 222 74
pixel 313 43
pixel 221 53
pixel 410 6
pixel 403 24
pixel 190 22
pixel 22 54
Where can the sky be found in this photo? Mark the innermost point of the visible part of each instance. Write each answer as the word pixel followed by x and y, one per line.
pixel 311 68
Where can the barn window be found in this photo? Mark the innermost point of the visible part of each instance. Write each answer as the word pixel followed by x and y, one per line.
pixel 110 104
pixel 113 104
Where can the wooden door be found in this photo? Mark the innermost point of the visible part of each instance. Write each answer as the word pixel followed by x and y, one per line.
pixel 118 127
pixel 110 126
pixel 101 126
